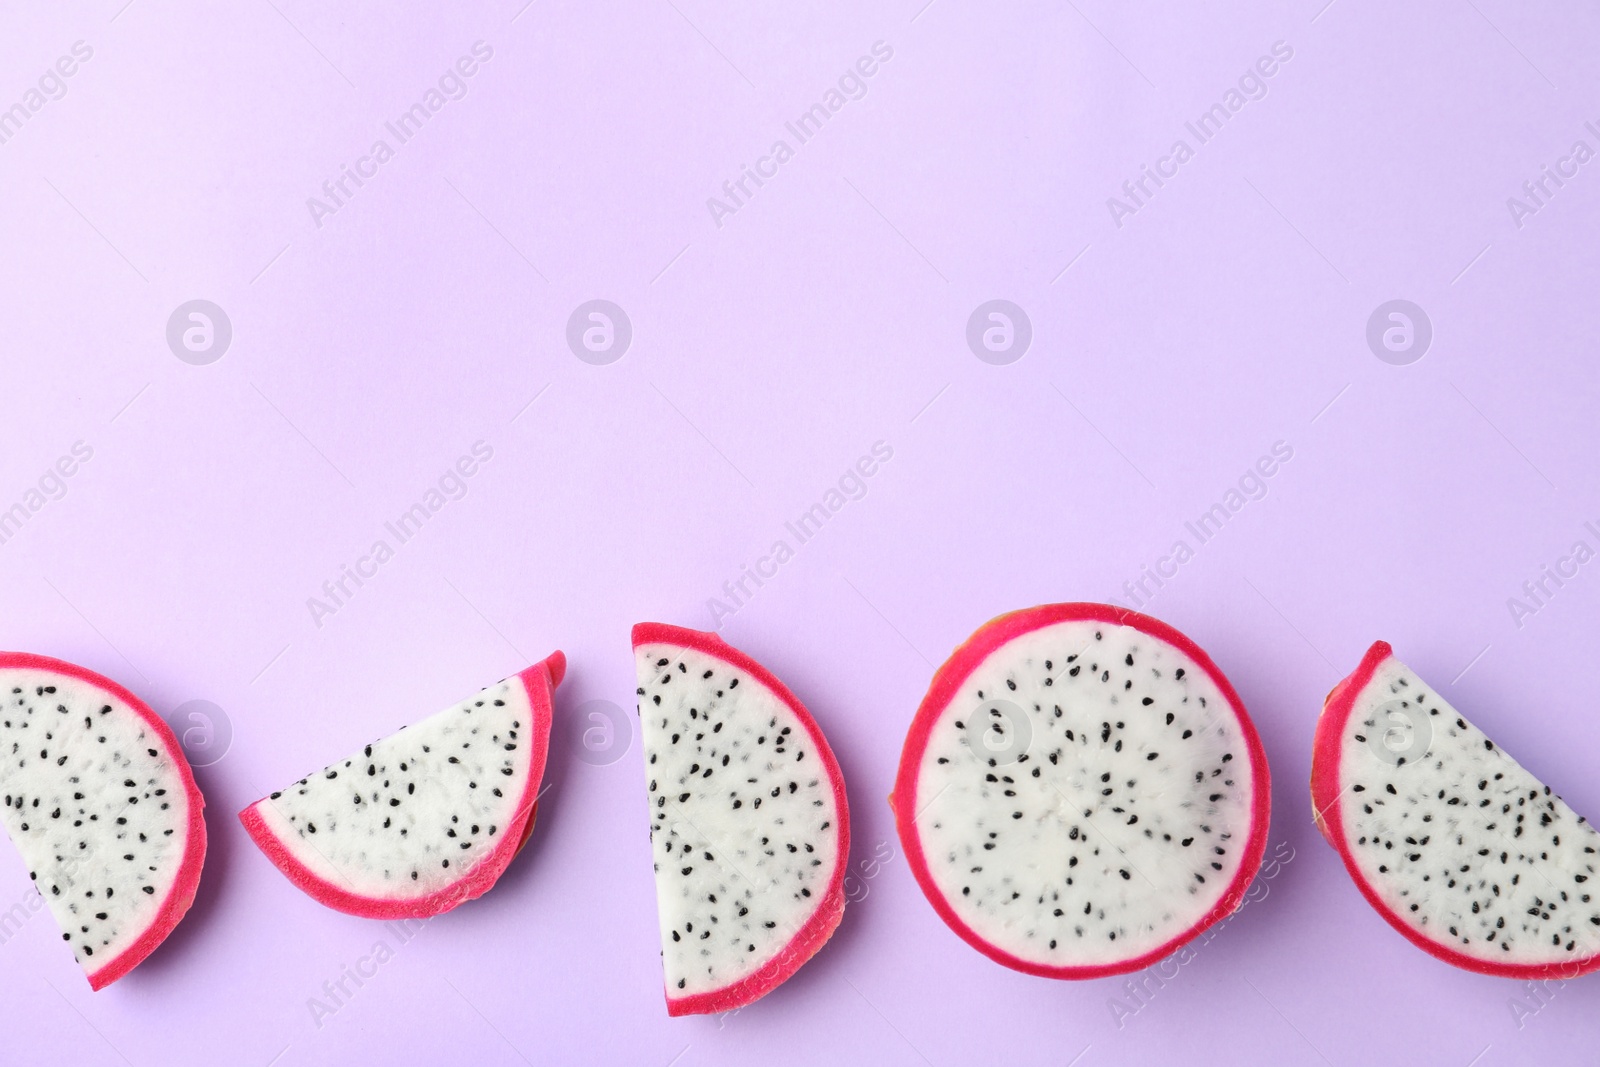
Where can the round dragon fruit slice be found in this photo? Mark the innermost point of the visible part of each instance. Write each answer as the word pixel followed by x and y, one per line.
pixel 1081 791
pixel 748 821
pixel 425 819
pixel 101 803
pixel 1462 850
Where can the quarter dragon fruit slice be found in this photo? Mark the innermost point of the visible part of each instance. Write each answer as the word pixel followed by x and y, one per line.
pixel 748 821
pixel 425 819
pixel 101 803
pixel 1457 846
pixel 1081 791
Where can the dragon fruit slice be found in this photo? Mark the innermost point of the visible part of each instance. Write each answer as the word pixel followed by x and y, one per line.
pixel 102 804
pixel 748 821
pixel 1462 850
pixel 1081 791
pixel 425 819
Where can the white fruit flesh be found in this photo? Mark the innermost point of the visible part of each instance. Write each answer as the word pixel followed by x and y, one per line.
pixel 95 805
pixel 743 820
pixel 406 816
pixel 1456 837
pixel 1086 797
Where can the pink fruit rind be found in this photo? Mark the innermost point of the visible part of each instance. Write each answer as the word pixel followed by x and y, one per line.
pixel 187 881
pixel 947 683
pixel 540 681
pixel 1327 753
pixel 830 909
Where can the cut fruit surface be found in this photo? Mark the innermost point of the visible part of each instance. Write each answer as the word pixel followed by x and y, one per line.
pixel 1081 791
pixel 101 803
pixel 425 819
pixel 749 827
pixel 1452 841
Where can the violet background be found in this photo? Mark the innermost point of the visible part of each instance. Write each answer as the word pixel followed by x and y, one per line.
pixel 827 313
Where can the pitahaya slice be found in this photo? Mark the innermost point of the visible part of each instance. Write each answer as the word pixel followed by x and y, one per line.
pixel 425 819
pixel 1452 841
pixel 748 821
pixel 101 803
pixel 1081 791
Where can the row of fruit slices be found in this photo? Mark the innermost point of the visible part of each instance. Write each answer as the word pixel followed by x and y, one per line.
pixel 1080 794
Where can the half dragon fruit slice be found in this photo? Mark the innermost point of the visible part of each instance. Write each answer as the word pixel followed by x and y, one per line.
pixel 1462 850
pixel 1081 791
pixel 101 803
pixel 425 819
pixel 748 821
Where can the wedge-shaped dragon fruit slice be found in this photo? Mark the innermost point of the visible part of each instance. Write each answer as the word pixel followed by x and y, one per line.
pixel 748 821
pixel 425 819
pixel 1081 791
pixel 102 804
pixel 1455 844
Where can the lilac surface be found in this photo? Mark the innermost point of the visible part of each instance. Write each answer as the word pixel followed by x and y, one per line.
pixel 374 345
